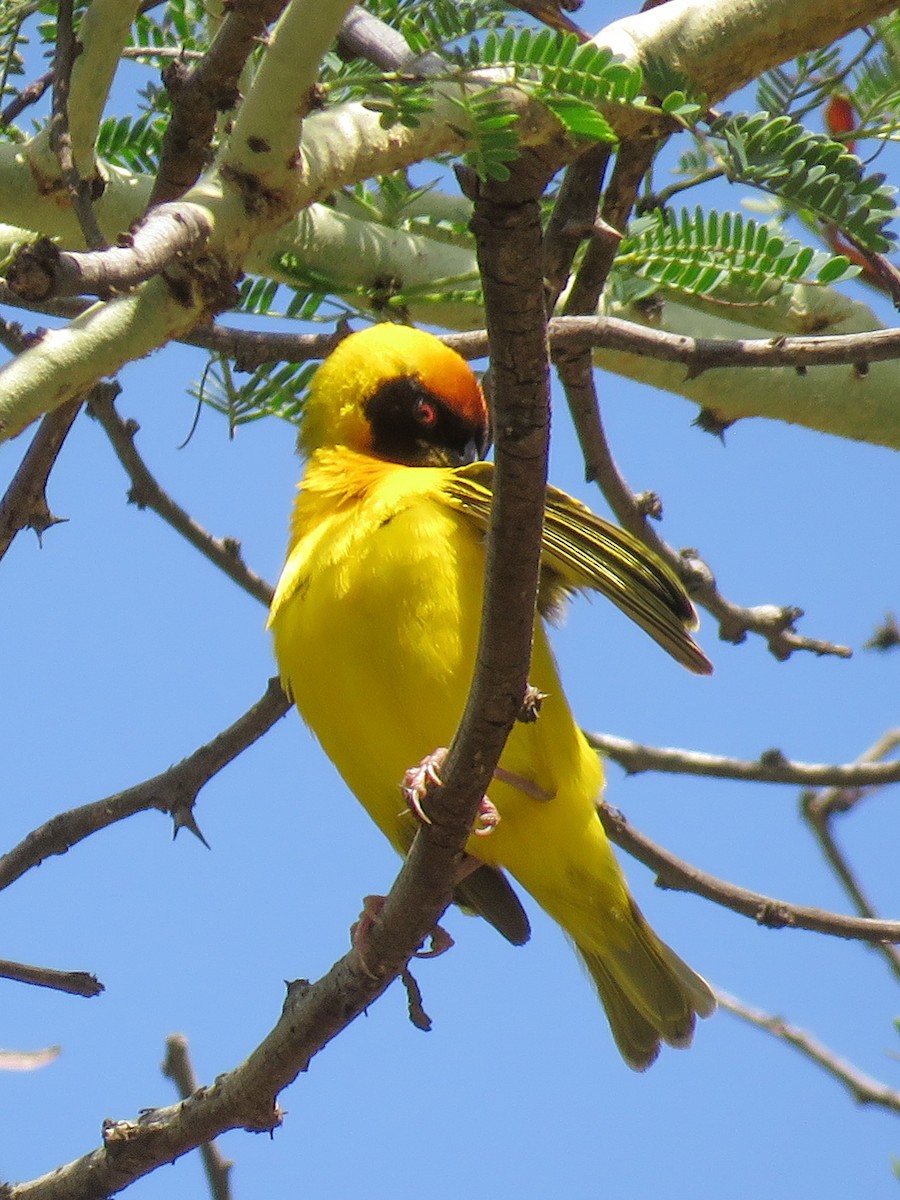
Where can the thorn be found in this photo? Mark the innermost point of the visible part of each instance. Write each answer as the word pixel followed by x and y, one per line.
pixel 183 818
pixel 710 422
pixel 40 522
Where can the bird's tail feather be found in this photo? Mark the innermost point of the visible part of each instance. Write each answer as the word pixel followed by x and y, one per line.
pixel 649 994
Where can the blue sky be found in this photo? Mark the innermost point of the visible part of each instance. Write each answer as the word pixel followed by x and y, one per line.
pixel 124 650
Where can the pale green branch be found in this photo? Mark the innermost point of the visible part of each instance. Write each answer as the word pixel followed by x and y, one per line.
pixel 102 34
pixel 266 134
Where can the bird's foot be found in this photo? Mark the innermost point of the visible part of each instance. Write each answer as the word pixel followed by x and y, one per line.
pixel 418 780
pixel 531 705
pixel 439 939
pixel 487 819
pixel 363 926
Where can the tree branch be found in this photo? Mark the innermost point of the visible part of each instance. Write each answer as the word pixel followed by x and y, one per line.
pixel 819 810
pixel 507 228
pixel 574 217
pixel 676 874
pixel 24 503
pixel 632 163
pixel 145 492
pixel 510 231
pixel 41 270
pixel 79 189
pixel 770 767
pixel 76 983
pixel 863 1088
pixel 178 1067
pixel 173 791
pixel 775 624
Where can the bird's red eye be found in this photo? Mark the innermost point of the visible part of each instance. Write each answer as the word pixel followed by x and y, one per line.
pixel 426 414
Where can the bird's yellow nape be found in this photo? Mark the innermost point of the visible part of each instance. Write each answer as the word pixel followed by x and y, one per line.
pixel 367 362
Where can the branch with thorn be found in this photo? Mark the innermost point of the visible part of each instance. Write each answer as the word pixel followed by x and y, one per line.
pixel 675 874
pixel 173 792
pixel 771 767
pixel 774 623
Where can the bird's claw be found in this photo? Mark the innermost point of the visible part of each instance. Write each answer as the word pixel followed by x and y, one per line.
pixel 439 939
pixel 487 819
pixel 440 942
pixel 418 780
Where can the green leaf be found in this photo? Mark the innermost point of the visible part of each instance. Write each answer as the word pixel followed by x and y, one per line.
pixel 809 172
pixel 580 119
pixel 722 254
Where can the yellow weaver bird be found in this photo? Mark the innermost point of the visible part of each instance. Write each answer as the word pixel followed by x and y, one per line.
pixel 376 621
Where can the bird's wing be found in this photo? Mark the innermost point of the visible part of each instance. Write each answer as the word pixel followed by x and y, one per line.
pixel 581 550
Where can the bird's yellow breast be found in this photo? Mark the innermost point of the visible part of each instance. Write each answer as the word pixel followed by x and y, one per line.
pixel 376 621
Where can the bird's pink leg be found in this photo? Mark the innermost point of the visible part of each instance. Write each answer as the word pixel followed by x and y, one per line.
pixel 439 939
pixel 418 780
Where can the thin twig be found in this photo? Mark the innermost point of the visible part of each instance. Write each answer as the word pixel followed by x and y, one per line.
pixel 770 767
pixel 30 94
pixel 819 810
pixel 145 492
pixel 632 162
pixel 863 1088
pixel 676 874
pixel 173 791
pixel 773 622
pixel 76 983
pixel 706 354
pixel 574 217
pixel 24 503
pixel 178 1067
pixel 67 48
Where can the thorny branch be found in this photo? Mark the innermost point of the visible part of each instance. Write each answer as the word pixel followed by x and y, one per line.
pixel 771 766
pixel 173 791
pixel 24 503
pixel 772 622
pixel 246 1097
pixel 676 874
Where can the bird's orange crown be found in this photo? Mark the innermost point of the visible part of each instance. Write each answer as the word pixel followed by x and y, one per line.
pixel 400 394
